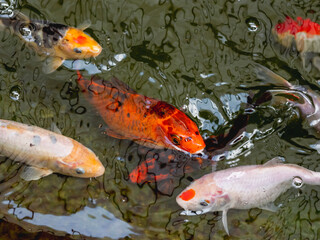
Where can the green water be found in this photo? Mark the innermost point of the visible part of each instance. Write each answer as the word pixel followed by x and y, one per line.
pixel 194 55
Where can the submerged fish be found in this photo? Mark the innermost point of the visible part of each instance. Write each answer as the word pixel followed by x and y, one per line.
pixel 303 98
pixel 54 41
pixel 244 187
pixel 145 120
pixel 46 152
pixel 304 32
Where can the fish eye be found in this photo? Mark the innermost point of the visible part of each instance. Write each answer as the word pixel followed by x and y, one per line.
pixel 204 203
pixel 175 139
pixel 77 50
pixel 80 171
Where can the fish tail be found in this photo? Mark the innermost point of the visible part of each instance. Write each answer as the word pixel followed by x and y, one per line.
pixel 267 77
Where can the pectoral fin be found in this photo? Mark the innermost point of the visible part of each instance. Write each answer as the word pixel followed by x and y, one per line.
pixel 52 63
pixel 148 143
pixel 30 173
pixel 270 207
pixel 225 220
pixel 113 134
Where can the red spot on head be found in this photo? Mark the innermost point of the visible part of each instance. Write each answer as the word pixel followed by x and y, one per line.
pixel 80 39
pixel 207 201
pixel 188 195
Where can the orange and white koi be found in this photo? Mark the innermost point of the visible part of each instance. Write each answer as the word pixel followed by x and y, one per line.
pixel 244 187
pixel 145 120
pixel 54 41
pixel 46 152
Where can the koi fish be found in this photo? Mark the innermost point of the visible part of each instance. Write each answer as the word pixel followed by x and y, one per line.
pixel 244 187
pixel 46 152
pixel 166 168
pixel 145 120
pixel 54 41
pixel 304 32
pixel 305 99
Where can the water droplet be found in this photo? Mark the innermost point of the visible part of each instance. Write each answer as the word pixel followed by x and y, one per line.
pixel 15 93
pixel 25 30
pixel 253 24
pixel 297 182
pixel 3 6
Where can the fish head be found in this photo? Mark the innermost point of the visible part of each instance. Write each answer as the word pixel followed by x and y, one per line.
pixel 202 196
pixel 177 130
pixel 78 45
pixel 81 162
pixel 289 26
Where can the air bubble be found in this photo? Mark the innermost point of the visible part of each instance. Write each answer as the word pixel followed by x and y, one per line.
pixel 15 93
pixel 297 182
pixel 253 24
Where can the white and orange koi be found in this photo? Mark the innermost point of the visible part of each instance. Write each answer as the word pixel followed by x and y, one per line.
pixel 244 187
pixel 46 152
pixel 56 42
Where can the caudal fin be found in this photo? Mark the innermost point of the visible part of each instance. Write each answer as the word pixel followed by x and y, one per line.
pixel 268 77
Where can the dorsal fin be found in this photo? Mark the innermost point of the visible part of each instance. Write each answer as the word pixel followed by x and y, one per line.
pixel 274 161
pixel 270 78
pixel 84 25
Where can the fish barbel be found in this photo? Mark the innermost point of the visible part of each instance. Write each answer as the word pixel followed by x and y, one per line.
pixel 56 42
pixel 244 187
pixel 46 152
pixel 147 121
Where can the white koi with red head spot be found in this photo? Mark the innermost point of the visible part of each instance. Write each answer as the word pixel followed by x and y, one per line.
pixel 244 187
pixel 46 152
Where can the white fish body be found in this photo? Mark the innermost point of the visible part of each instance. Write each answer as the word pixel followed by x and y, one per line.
pixel 244 187
pixel 46 152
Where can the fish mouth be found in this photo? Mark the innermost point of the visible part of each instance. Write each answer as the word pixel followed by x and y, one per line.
pixel 194 213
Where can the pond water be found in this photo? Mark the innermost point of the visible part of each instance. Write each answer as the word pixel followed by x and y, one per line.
pixel 195 55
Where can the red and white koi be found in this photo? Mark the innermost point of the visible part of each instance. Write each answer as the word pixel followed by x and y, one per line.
pixel 244 187
pixel 304 32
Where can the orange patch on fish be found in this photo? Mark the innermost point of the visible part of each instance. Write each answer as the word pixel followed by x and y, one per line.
pixel 80 39
pixel 188 195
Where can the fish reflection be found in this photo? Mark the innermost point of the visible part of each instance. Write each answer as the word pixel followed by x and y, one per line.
pixel 145 120
pixel 99 222
pixel 244 187
pixel 54 41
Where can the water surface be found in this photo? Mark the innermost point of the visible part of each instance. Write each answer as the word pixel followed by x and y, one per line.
pixel 195 55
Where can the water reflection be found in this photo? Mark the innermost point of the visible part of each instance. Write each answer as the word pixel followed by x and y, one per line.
pixel 94 222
